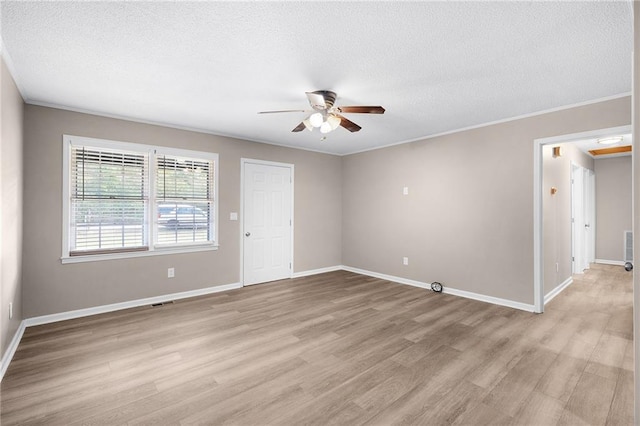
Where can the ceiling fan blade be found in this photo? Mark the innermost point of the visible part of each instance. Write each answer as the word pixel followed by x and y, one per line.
pixel 348 124
pixel 362 109
pixel 284 110
pixel 300 127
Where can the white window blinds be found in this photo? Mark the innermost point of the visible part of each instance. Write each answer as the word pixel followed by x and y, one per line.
pixel 109 199
pixel 184 200
pixel 126 200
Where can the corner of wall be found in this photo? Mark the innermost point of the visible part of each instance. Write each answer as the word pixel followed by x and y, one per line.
pixel 11 193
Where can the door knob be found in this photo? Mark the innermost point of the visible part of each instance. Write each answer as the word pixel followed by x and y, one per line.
pixel 247 234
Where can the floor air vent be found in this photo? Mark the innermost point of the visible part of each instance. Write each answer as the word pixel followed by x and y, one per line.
pixel 628 246
pixel 155 305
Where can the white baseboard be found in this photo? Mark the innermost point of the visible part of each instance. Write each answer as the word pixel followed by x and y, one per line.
pixel 393 278
pixel 11 350
pixel 490 299
pixel 317 271
pixel 556 291
pixel 46 319
pixel 610 262
pixel 446 290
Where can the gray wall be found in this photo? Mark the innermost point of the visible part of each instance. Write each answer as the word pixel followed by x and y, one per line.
pixel 613 206
pixel 468 219
pixel 50 287
pixel 556 211
pixel 11 190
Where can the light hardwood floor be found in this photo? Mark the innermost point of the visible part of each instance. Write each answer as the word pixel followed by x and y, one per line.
pixel 335 348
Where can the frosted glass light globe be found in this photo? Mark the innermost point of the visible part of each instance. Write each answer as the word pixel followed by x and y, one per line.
pixel 325 127
pixel 316 119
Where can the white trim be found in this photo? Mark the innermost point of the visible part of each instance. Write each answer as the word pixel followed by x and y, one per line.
pixel 132 254
pixel 46 319
pixel 446 290
pixel 11 349
pixel 244 138
pixel 492 123
pixel 538 263
pixel 556 291
pixel 80 313
pixel 290 166
pixel 317 271
pixel 591 134
pixel 167 125
pixel 393 278
pixel 125 146
pixel 610 262
pixel 151 151
pixel 490 299
pixel 8 61
pixel 538 236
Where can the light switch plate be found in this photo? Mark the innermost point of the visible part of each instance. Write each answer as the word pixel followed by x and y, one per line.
pixel 233 216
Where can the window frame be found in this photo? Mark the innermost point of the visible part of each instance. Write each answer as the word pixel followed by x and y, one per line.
pixel 154 248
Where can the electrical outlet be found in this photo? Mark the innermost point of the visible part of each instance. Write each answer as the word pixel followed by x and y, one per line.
pixel 405 261
pixel 405 190
pixel 10 310
pixel 171 272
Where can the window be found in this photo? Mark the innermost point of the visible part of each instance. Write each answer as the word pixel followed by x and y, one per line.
pixel 184 198
pixel 123 200
pixel 109 196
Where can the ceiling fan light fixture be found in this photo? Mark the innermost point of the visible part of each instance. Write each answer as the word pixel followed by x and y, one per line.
pixel 325 127
pixel 610 140
pixel 333 121
pixel 307 124
pixel 316 119
pixel 326 116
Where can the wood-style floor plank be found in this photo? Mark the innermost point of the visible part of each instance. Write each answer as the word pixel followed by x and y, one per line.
pixel 335 348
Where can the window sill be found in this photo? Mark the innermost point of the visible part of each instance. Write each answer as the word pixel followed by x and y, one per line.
pixel 129 255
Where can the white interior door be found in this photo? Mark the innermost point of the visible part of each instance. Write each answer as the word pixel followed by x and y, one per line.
pixel 583 208
pixel 590 217
pixel 578 219
pixel 267 222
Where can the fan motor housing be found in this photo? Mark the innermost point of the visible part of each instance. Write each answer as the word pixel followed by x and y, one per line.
pixel 329 98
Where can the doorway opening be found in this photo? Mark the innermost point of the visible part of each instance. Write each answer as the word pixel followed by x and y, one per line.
pixel 541 147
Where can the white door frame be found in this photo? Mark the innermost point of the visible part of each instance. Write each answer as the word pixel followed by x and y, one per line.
pixel 538 265
pixel 243 162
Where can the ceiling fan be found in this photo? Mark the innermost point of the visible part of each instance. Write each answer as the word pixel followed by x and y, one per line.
pixel 327 116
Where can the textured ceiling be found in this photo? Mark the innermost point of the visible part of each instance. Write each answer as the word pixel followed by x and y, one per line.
pixel 211 66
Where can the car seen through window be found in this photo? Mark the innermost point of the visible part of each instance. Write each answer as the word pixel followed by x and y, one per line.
pixel 182 216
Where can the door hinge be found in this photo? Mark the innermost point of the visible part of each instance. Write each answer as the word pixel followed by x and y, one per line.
pixel 573 259
pixel 289 265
